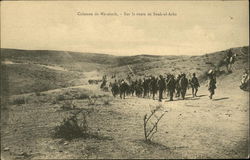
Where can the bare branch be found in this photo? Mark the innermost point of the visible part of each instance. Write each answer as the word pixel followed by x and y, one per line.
pixel 156 124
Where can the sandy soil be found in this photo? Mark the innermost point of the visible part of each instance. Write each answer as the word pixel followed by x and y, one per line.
pixel 192 128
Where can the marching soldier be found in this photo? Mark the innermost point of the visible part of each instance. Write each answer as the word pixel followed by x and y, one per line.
pixel 195 85
pixel 211 83
pixel 162 86
pixel 171 86
pixel 184 84
pixel 153 86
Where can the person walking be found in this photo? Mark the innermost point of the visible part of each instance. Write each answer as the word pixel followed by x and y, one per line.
pixel 211 84
pixel 162 87
pixel 194 85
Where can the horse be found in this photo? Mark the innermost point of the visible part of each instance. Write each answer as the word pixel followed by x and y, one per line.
pixel 228 62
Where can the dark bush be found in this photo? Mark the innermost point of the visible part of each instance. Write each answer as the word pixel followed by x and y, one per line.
pixel 19 101
pixel 71 128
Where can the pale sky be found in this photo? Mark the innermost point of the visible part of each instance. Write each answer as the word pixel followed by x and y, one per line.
pixel 198 28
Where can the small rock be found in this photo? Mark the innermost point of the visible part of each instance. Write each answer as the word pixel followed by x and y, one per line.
pixel 6 149
pixel 65 143
pixel 60 151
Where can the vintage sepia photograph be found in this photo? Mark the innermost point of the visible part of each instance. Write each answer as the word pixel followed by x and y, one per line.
pixel 124 79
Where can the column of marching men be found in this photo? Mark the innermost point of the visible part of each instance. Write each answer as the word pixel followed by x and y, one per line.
pixel 155 87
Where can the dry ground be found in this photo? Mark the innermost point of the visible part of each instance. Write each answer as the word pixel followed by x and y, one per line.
pixel 192 128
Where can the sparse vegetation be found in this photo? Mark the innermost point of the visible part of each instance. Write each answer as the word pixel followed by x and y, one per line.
pixel 72 127
pixel 34 117
pixel 19 100
pixel 149 131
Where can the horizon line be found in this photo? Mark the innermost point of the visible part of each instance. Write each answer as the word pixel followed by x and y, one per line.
pixel 110 54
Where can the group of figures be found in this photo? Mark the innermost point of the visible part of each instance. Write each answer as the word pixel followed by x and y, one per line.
pixel 170 84
pixel 152 85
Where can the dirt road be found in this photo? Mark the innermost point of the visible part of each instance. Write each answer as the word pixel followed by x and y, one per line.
pixel 192 128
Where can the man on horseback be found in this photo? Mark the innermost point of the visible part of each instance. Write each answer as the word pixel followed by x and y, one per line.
pixel 230 59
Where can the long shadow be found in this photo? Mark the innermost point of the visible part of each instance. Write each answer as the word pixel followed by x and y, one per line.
pixel 202 95
pixel 186 98
pixel 218 99
pixel 167 100
pixel 191 98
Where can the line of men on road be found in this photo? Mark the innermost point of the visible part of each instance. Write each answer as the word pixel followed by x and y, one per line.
pixel 150 86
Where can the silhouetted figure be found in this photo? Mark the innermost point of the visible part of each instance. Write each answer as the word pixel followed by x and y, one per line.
pixel 162 87
pixel 153 86
pixel 177 86
pixel 194 85
pixel 183 85
pixel 211 84
pixel 171 86
pixel 123 89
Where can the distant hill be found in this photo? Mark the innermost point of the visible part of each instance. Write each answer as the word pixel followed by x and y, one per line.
pixel 69 60
pixel 36 70
pixel 155 65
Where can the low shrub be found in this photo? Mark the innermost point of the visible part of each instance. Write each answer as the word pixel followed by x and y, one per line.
pixel 72 128
pixel 19 101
